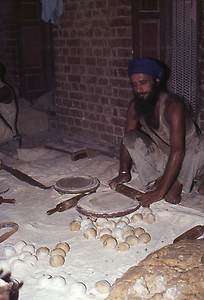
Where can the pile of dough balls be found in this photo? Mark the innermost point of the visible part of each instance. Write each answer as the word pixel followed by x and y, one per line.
pixel 18 257
pixel 119 234
pixel 57 255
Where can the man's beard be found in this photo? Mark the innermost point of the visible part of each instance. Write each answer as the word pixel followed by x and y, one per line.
pixel 145 106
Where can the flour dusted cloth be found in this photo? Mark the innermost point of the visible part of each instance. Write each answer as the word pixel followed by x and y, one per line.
pixel 51 9
pixel 151 162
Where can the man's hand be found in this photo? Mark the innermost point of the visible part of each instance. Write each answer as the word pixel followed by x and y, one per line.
pixel 119 179
pixel 149 197
pixel 5 291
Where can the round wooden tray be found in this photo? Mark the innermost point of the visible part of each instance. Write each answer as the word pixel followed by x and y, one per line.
pixel 76 185
pixel 108 204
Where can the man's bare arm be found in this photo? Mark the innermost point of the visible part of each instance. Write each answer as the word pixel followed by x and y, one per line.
pixel 125 158
pixel 175 115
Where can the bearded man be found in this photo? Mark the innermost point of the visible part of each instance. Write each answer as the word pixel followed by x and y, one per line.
pixel 160 138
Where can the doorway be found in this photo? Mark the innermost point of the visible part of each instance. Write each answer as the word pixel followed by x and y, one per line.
pixel 34 38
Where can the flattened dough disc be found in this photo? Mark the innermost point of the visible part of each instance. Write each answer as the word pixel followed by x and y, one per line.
pixel 106 204
pixel 76 185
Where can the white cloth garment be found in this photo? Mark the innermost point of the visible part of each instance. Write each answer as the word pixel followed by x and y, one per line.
pixel 51 9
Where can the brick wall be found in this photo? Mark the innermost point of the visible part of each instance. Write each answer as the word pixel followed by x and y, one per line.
pixel 92 47
pixel 8 40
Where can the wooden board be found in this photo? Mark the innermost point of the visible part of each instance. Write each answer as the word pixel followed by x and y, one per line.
pixel 76 185
pixel 108 204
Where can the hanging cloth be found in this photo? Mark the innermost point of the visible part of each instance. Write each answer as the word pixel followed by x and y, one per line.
pixel 51 9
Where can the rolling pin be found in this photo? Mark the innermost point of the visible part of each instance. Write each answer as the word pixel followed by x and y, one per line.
pixel 127 191
pixel 191 234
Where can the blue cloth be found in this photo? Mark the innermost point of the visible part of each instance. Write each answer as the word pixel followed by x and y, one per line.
pixel 145 66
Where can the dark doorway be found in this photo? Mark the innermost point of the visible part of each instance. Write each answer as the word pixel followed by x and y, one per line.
pixel 34 48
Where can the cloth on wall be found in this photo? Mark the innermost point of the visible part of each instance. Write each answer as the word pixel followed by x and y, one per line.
pixel 51 9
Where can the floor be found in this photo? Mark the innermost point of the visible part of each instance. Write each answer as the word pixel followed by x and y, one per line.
pixel 80 149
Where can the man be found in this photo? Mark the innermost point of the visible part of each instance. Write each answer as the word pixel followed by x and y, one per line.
pixel 160 138
pixel 8 109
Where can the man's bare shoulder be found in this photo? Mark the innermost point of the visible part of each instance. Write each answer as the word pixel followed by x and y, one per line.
pixel 174 105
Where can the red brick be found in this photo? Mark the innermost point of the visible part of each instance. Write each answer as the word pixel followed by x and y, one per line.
pixel 73 42
pixel 70 6
pixel 75 95
pixel 73 60
pixel 75 78
pixel 102 81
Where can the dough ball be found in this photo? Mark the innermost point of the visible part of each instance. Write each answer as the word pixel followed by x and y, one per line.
pixel 127 228
pixel 109 224
pixel 18 246
pixel 104 237
pixel 138 231
pixel 126 219
pixel 121 224
pixel 100 222
pixel 110 243
pixel 90 226
pixel 131 240
pixel 31 259
pixel 9 250
pixel 29 248
pixel 103 286
pixel 118 233
pixel 127 233
pixel 64 246
pixel 74 226
pixel 18 265
pixel 58 251
pixel 85 222
pixel 146 210
pixel 150 218
pixel 123 246
pixel 78 289
pixel 136 218
pixel 90 233
pixel 78 219
pixel 105 231
pixel 42 252
pixel 144 238
pixel 45 280
pixel 24 254
pixel 58 282
pixel 4 264
pixel 57 261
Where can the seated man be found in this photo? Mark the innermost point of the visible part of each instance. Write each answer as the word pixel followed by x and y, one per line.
pixel 160 138
pixel 8 109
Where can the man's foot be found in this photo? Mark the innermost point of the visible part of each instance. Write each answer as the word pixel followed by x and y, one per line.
pixel 201 189
pixel 174 194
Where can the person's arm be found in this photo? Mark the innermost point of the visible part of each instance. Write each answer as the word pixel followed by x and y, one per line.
pixel 6 95
pixel 175 116
pixel 5 291
pixel 125 158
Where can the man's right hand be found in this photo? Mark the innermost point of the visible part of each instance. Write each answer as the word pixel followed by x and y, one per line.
pixel 121 178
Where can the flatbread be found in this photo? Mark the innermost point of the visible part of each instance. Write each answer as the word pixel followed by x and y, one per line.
pixel 174 272
pixel 107 204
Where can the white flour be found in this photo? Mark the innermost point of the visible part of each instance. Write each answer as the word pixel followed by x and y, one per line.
pixel 87 261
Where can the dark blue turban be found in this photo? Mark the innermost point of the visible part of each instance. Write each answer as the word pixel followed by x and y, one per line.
pixel 146 66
